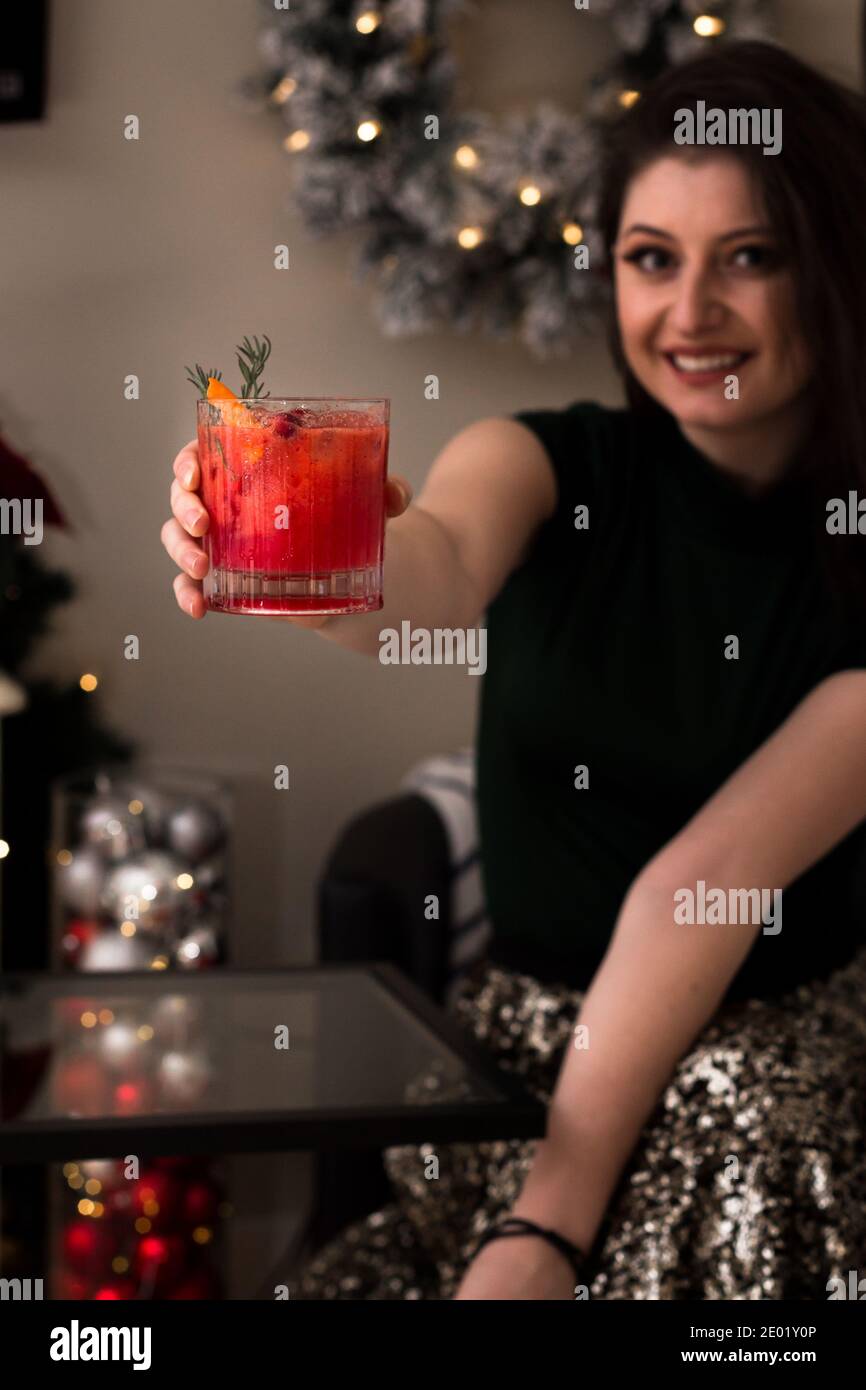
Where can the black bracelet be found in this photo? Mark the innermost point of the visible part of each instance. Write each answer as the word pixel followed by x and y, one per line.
pixel 518 1226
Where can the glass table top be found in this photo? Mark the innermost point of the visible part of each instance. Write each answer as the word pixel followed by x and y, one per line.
pixel 241 1060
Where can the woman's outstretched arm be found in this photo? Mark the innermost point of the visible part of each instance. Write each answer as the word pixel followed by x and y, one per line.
pixel 660 983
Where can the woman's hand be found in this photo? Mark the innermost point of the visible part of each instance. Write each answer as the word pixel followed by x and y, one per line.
pixel 180 535
pixel 518 1267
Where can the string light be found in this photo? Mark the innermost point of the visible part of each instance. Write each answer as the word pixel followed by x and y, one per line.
pixel 70 1170
pixel 88 682
pixel 470 237
pixel 4 848
pixel 142 1225
pixel 135 807
pixel 709 26
pixel 368 130
pixel 127 928
pixel 184 880
pixel 572 232
pixel 465 157
pixel 283 90
pixel 159 963
pixel 628 97
pixel 85 1207
pixel 88 1019
pixel 93 1187
pixel 368 21
pixel 530 194
pixel 120 1264
pixel 298 140
pixel 202 1235
pixel 106 1016
pixel 145 1032
pixel 64 857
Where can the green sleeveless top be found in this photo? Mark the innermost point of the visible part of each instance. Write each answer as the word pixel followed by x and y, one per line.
pixel 606 650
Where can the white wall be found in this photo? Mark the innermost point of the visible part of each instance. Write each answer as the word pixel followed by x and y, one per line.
pixel 140 257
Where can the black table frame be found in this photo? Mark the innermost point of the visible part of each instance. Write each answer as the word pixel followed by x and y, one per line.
pixel 516 1116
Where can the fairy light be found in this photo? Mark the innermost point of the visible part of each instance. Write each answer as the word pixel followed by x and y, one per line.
pixel 465 157
pixel 368 130
pixel 93 1187
pixel 106 1016
pixel 4 849
pixel 298 140
pixel 628 97
pixel 135 807
pixel 149 891
pixel 98 1210
pixel 530 194
pixel 120 1264
pixel 142 1225
pixel 285 88
pixel 572 233
pixel 202 1235
pixel 88 1019
pixel 470 237
pixel 368 21
pixel 85 1207
pixel 127 928
pixel 64 857
pixel 70 1170
pixel 159 963
pixel 88 682
pixel 144 1033
pixel 76 1182
pixel 709 26
pixel 184 880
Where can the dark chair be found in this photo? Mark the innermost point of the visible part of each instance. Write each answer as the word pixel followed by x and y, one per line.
pixel 371 899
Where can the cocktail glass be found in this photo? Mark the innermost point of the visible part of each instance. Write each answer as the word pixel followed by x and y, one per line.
pixel 295 492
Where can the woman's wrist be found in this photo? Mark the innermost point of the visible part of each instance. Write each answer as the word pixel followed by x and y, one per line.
pixel 555 1196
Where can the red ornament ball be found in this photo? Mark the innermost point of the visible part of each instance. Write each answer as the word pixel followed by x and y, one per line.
pixel 87 1246
pixel 158 1262
pixel 116 1289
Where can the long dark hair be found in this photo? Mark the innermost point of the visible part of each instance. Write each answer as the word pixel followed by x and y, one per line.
pixel 814 192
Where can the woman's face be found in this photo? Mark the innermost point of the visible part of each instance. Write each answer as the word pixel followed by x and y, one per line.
pixel 702 296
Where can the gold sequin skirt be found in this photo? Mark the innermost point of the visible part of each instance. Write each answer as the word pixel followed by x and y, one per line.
pixel 748 1181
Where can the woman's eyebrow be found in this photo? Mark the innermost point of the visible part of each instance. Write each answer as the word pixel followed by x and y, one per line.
pixel 646 230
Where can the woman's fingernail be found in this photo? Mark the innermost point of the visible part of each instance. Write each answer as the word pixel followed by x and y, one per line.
pixel 192 516
pixel 194 559
pixel 187 475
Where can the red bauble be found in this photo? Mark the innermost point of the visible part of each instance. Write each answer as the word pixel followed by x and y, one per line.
pixel 132 1097
pixel 117 1288
pixel 159 1261
pixel 199 1205
pixel 87 1246
pixel 76 933
pixel 161 1190
pixel 80 1086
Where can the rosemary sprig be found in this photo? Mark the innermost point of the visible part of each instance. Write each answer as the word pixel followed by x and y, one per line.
pixel 252 357
pixel 199 377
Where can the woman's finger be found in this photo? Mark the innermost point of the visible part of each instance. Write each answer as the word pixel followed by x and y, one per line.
pixel 186 553
pixel 188 510
pixel 398 495
pixel 189 596
pixel 185 466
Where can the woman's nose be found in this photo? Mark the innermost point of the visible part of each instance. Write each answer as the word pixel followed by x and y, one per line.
pixel 697 306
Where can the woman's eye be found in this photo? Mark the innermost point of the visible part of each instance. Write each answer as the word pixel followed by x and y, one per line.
pixel 754 258
pixel 649 259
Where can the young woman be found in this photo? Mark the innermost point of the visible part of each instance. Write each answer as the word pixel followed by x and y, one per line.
pixel 673 730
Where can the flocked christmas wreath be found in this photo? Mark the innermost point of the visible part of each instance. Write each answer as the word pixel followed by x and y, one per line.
pixel 465 220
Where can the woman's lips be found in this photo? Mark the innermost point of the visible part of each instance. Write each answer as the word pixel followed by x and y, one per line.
pixel 705 368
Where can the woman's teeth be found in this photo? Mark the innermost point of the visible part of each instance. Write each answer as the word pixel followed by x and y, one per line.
pixel 710 363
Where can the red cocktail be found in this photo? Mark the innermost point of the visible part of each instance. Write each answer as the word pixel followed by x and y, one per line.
pixel 295 491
